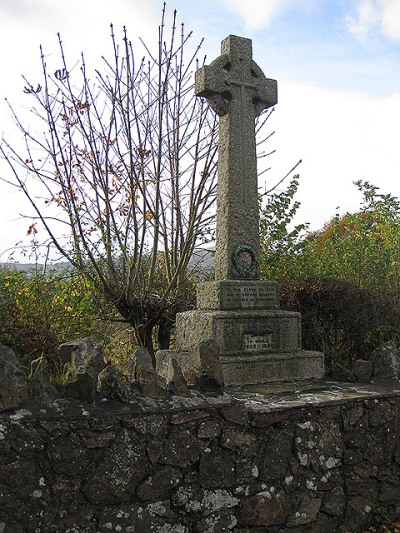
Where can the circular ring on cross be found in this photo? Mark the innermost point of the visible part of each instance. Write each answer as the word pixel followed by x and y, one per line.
pixel 244 260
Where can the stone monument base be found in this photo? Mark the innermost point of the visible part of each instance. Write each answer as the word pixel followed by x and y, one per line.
pixel 259 343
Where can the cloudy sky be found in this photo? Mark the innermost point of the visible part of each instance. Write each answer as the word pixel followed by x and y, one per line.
pixel 337 63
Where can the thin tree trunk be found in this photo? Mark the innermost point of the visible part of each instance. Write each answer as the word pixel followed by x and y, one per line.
pixel 144 335
pixel 164 334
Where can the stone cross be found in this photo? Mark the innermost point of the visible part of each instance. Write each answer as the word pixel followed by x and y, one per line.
pixel 238 92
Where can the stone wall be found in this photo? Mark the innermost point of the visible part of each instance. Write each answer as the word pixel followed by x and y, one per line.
pixel 245 463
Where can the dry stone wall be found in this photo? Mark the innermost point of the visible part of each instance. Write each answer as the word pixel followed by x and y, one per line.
pixel 242 463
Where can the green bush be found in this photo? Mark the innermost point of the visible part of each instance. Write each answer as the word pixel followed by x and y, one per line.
pixel 344 321
pixel 281 241
pixel 40 310
pixel 344 279
pixel 362 248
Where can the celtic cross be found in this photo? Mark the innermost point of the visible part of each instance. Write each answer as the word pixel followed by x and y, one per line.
pixel 238 92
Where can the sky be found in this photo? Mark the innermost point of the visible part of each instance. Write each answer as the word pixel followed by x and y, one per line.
pixel 337 63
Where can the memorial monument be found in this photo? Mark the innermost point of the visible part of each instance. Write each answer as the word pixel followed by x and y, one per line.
pixel 258 342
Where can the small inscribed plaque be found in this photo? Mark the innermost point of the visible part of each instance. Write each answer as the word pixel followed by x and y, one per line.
pixel 257 343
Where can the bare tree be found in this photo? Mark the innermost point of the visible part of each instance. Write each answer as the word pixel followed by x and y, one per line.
pixel 127 165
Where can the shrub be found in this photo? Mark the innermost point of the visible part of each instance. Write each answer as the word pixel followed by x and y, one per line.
pixel 39 310
pixel 344 321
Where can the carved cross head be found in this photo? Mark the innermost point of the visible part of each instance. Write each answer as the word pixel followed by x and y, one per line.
pixel 235 69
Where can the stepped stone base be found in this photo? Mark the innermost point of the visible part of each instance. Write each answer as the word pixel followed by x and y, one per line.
pixel 259 343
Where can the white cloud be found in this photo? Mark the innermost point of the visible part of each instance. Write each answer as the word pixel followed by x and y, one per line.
pixel 366 16
pixel 391 18
pixel 341 136
pixel 256 14
pixel 83 25
pixel 375 15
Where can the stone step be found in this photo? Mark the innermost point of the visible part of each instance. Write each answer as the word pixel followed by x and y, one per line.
pixel 238 332
pixel 248 370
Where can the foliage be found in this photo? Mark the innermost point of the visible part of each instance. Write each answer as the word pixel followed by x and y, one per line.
pixel 123 178
pixel 385 527
pixel 344 279
pixel 363 248
pixel 342 320
pixel 280 241
pixel 40 310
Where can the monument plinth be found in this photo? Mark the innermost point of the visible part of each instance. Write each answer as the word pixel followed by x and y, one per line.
pixel 258 341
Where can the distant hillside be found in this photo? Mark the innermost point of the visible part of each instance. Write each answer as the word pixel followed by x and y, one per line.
pixel 201 259
pixel 32 266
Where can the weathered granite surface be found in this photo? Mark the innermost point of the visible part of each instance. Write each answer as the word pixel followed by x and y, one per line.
pixel 256 345
pixel 385 362
pixel 13 387
pixel 265 459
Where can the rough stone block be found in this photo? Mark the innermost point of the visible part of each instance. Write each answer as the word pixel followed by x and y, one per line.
pixel 190 498
pixel 335 502
pixel 238 414
pixel 205 358
pixel 143 377
pixel 42 390
pixel 363 370
pixel 306 513
pixel 117 476
pixel 181 449
pixel 163 358
pixel 83 387
pixel 141 361
pixel 279 446
pixel 83 355
pixel 215 465
pixel 264 509
pixel 13 390
pixel 386 362
pixel 85 360
pixel 221 520
pixel 160 484
pixel 174 378
pixel 340 373
pixel 109 385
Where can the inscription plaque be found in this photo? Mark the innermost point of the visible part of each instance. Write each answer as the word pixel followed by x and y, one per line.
pixel 257 343
pixel 248 296
pixel 230 294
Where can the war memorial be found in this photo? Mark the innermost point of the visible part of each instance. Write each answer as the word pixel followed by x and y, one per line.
pixel 277 450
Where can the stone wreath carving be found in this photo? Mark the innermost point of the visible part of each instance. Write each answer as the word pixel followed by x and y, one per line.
pixel 244 259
